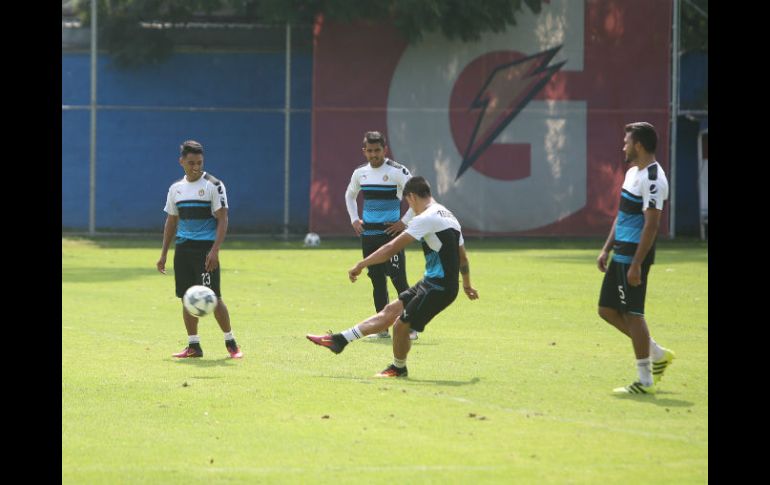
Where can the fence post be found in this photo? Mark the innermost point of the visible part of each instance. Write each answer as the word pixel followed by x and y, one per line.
pixel 92 162
pixel 287 136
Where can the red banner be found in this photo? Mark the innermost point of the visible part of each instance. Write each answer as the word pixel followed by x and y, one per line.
pixel 519 133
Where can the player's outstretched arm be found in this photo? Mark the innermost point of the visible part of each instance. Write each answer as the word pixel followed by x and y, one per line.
pixel 465 272
pixel 381 255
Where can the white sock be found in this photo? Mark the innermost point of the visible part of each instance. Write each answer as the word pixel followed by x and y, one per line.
pixel 644 367
pixel 399 363
pixel 656 351
pixel 193 339
pixel 353 333
pixel 229 335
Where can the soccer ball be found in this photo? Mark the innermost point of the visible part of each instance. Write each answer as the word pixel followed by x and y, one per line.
pixel 199 300
pixel 312 240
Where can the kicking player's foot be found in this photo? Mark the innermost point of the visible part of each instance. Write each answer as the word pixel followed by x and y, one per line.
pixel 659 366
pixel 384 334
pixel 233 349
pixel 192 350
pixel 393 371
pixel 335 343
pixel 636 388
pixel 414 335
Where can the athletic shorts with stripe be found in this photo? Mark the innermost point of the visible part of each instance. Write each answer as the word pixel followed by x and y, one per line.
pixel 189 267
pixel 424 301
pixel 618 294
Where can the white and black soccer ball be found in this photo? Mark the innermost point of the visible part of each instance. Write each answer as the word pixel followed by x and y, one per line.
pixel 199 300
pixel 312 240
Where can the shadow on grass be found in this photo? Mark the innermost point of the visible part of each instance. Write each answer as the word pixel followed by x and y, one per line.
pixel 410 380
pixel 657 400
pixel 97 275
pixel 224 361
pixel 475 380
pixel 389 341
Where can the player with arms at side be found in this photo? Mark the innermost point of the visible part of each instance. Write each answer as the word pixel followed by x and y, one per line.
pixel 381 180
pixel 632 240
pixel 197 214
pixel 445 260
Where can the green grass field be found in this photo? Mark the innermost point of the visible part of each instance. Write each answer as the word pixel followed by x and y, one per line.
pixel 512 388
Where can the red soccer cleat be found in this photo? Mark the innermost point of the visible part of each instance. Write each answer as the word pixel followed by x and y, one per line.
pixel 328 341
pixel 189 351
pixel 393 371
pixel 233 349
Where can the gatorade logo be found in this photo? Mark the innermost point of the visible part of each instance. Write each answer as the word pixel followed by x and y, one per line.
pixel 498 152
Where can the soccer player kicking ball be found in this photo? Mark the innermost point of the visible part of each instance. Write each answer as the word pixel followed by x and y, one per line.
pixel 632 240
pixel 445 259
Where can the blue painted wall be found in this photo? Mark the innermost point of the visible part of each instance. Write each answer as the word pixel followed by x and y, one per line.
pixel 693 95
pixel 144 116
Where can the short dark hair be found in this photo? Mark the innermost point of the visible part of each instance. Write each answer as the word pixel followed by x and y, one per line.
pixel 417 186
pixel 374 137
pixel 644 133
pixel 190 146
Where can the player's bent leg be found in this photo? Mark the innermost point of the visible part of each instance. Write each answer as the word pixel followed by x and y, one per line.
pixel 383 320
pixel 402 344
pixel 190 322
pixel 639 333
pixel 614 318
pixel 222 316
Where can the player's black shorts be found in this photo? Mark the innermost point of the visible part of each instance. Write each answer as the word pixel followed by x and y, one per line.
pixel 618 294
pixel 394 268
pixel 424 301
pixel 189 267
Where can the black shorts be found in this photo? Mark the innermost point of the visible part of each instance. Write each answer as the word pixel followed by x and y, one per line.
pixel 189 267
pixel 424 301
pixel 618 294
pixel 394 268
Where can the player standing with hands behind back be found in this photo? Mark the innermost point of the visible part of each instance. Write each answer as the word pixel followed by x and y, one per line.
pixel 197 215
pixel 382 181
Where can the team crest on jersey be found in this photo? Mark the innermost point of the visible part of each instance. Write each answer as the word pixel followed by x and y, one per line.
pixel 201 192
pixel 385 178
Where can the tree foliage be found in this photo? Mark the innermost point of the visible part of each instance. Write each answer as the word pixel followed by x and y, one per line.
pixel 131 44
pixel 695 25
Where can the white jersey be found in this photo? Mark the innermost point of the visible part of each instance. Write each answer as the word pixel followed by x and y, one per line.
pixel 650 184
pixel 383 187
pixel 642 189
pixel 441 236
pixel 195 203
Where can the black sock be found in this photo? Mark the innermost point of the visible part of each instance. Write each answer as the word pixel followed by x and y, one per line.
pixel 339 339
